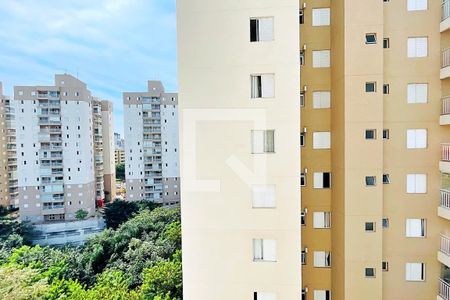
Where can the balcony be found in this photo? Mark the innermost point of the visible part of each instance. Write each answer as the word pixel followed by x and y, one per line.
pixel 444 251
pixel 444 164
pixel 445 64
pixel 444 207
pixel 444 290
pixel 445 20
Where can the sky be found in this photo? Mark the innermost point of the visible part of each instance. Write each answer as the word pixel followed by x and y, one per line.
pixel 111 45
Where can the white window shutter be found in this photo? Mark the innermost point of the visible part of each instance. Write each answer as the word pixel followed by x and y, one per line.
pixel 270 250
pixel 263 195
pixel 411 47
pixel 321 140
pixel 257 141
pixel 422 47
pixel 258 249
pixel 319 259
pixel 319 220
pixel 414 271
pixel 412 93
pixel 421 93
pixel 320 295
pixel 318 180
pixel 266 29
pixel 268 85
pixel 321 17
pixel 417 5
pixel 321 59
pixel 411 183
pixel 411 139
pixel 413 227
pixel 266 296
pixel 421 183
pixel 421 138
pixel 321 99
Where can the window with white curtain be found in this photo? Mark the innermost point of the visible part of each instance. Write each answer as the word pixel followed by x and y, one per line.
pixel 263 196
pixel 417 93
pixel 321 140
pixel 264 250
pixel 263 141
pixel 321 99
pixel 417 47
pixel 416 183
pixel 322 295
pixel 321 16
pixel 415 271
pixel 264 296
pixel 416 227
pixel 321 59
pixel 261 29
pixel 322 259
pixel 417 5
pixel 321 219
pixel 416 138
pixel 263 86
pixel 322 180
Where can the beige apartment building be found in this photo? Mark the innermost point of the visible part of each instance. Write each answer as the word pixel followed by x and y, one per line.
pixel 373 165
pixel 119 156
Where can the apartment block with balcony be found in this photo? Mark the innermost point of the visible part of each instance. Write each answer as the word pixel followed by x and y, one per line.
pixel 151 145
pixel 240 162
pixel 57 128
pixel 8 167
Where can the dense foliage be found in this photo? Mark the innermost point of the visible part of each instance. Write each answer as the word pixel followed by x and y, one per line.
pixel 140 259
pixel 120 171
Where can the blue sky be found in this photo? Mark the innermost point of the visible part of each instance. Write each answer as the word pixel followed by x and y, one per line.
pixel 112 45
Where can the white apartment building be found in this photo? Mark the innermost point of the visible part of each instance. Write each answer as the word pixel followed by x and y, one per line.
pixel 59 150
pixel 151 145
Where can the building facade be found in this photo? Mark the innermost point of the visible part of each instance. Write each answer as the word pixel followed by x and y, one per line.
pixel 240 150
pixel 151 145
pixel 8 167
pixel 374 169
pixel 109 165
pixel 58 161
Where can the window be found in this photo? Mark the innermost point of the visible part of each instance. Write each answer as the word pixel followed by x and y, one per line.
pixel 416 138
pixel 416 227
pixel 417 5
pixel 320 16
pixel 322 295
pixel 264 250
pixel 369 226
pixel 371 134
pixel 417 93
pixel 370 272
pixel 302 138
pixel 386 134
pixel 264 296
pixel 303 218
pixel 261 29
pixel 263 141
pixel 321 99
pixel 304 292
pixel 263 196
pixel 415 272
pixel 303 258
pixel 321 220
pixel 301 16
pixel 386 43
pixel 263 86
pixel 322 259
pixel 302 58
pixel 385 223
pixel 322 180
pixel 371 87
pixel 321 59
pixel 386 179
pixel 371 38
pixel 384 266
pixel 417 47
pixel 386 89
pixel 302 179
pixel 371 180
pixel 302 99
pixel 416 183
pixel 321 140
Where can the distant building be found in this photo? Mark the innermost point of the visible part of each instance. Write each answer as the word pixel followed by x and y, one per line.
pixel 151 145
pixel 119 156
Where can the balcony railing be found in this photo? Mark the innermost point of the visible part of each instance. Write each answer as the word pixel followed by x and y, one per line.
pixel 444 289
pixel 445 152
pixel 445 245
pixel 446 105
pixel 445 10
pixel 445 58
pixel 445 199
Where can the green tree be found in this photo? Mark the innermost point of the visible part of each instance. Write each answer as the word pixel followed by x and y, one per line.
pixel 118 212
pixel 120 171
pixel 81 214
pixel 163 280
pixel 111 285
pixel 21 284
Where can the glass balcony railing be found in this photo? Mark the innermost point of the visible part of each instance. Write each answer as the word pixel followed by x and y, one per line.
pixel 445 9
